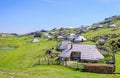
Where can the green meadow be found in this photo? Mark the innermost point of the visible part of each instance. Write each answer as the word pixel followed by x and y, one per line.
pixel 21 62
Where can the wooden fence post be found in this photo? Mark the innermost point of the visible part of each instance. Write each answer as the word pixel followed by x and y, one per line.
pixel 48 62
pixel 39 61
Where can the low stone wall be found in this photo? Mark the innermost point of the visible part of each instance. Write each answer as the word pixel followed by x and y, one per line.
pixel 99 68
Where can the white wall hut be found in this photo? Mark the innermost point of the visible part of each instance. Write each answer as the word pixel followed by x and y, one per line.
pixel 80 39
pixel 4 35
pixel 35 40
pixel 46 35
pixel 70 37
pixel 63 45
pixel 111 25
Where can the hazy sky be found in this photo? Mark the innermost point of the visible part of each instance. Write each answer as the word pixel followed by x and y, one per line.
pixel 22 16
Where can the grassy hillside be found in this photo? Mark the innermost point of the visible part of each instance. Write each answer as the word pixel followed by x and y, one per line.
pixel 21 61
pixel 102 31
pixel 25 55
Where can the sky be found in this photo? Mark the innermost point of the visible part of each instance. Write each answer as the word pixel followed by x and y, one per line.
pixel 24 16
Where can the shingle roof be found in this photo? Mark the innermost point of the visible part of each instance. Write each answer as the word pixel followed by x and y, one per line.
pixel 71 36
pixel 47 35
pixel 60 37
pixel 100 26
pixel 80 38
pixel 63 45
pixel 88 52
pixel 112 25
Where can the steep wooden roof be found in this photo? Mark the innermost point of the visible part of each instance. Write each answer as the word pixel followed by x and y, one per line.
pixel 88 52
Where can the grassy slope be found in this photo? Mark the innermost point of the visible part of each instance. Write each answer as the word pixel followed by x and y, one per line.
pixel 19 63
pixel 90 34
pixel 26 55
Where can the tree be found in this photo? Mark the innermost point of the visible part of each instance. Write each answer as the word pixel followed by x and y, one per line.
pixel 37 34
pixel 114 48
pixel 48 51
pixel 118 44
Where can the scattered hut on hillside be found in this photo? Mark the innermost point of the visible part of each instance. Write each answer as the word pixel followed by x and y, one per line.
pixel 111 25
pixel 61 33
pixel 67 30
pixel 99 26
pixel 63 45
pixel 46 35
pixel 70 37
pixel 83 28
pixel 60 37
pixel 37 34
pixel 35 40
pixel 101 41
pixel 4 35
pixel 51 33
pixel 80 39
